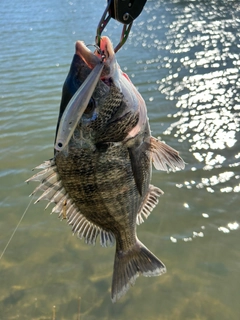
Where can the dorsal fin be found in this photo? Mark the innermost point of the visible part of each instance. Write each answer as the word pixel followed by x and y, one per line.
pixel 54 192
pixel 149 203
pixel 164 156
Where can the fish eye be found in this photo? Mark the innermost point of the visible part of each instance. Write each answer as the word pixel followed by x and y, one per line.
pixel 90 107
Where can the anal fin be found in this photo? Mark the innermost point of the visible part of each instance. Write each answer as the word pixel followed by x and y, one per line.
pixel 149 203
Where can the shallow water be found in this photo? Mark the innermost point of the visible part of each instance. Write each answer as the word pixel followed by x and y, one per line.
pixel 184 58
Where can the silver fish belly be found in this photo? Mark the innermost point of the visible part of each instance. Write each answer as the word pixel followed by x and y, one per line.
pixel 101 185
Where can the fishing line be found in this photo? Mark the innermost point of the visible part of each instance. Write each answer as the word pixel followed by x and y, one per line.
pixel 14 231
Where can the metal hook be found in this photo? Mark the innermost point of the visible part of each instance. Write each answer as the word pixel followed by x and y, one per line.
pixel 107 15
pixel 125 32
pixel 102 23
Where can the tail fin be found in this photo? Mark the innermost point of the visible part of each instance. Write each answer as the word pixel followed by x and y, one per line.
pixel 128 265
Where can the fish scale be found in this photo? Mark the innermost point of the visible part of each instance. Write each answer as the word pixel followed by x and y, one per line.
pixel 92 193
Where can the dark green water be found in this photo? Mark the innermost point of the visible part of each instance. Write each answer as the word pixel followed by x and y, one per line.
pixel 184 58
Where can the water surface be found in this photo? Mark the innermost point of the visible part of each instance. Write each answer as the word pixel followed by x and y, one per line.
pixel 184 58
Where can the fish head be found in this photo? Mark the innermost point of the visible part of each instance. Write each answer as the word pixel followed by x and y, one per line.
pixel 114 101
pixel 112 73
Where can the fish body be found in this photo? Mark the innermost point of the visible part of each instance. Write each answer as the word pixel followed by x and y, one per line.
pixel 101 181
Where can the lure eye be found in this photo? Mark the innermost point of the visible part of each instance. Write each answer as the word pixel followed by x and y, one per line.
pixel 90 107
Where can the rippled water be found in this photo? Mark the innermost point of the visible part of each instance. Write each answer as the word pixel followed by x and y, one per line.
pixel 184 58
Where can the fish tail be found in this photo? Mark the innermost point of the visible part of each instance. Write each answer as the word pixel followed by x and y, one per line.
pixel 128 265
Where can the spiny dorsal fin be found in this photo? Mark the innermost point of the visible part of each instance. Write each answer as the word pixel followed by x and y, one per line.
pixel 54 192
pixel 164 156
pixel 149 203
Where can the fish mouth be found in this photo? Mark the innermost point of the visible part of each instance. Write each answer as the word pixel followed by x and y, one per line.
pixel 104 54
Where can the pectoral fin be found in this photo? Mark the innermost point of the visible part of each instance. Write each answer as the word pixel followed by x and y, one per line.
pixel 165 157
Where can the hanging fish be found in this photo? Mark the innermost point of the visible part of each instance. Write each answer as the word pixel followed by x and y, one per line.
pixel 99 178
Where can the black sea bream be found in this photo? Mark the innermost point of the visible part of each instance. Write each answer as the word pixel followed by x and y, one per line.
pixel 101 181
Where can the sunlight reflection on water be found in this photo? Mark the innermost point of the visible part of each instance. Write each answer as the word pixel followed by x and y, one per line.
pixel 207 95
pixel 199 62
